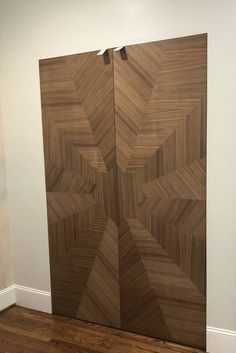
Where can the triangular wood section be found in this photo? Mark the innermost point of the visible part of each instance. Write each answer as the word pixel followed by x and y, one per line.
pixel 101 299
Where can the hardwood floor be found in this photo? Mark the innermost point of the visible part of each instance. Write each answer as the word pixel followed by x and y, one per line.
pixel 28 331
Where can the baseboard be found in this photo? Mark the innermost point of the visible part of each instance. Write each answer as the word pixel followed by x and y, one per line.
pixel 33 298
pixel 7 297
pixel 220 341
pixel 25 296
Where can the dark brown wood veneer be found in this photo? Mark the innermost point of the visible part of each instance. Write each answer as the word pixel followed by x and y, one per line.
pixel 125 164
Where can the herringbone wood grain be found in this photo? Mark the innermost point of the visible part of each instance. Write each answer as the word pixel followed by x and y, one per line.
pixel 125 149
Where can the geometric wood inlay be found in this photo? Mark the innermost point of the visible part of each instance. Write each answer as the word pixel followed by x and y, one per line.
pixel 125 164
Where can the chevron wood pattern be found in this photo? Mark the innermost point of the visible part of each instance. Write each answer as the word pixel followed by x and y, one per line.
pixel 125 165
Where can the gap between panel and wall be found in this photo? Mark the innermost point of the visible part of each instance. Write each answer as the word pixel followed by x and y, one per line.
pixel 218 340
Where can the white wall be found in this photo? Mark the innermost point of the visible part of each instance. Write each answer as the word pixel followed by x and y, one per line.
pixel 32 30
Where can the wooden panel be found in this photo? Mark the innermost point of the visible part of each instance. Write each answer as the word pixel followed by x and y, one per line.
pixel 125 160
pixel 79 147
pixel 27 331
pixel 160 110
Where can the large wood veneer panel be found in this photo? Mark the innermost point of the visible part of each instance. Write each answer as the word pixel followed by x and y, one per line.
pixel 160 112
pixel 79 148
pixel 125 161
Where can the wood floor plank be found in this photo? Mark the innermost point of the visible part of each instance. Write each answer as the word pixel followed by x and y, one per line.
pixel 28 331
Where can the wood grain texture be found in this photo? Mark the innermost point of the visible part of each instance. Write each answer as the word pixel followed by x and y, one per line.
pixel 125 164
pixel 27 331
pixel 160 114
pixel 80 166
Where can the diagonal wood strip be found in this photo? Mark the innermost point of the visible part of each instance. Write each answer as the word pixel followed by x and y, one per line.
pixel 101 298
pixel 177 296
pixel 185 183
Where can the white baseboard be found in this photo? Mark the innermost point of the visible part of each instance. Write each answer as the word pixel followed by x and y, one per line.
pixel 25 296
pixel 220 341
pixel 33 298
pixel 7 297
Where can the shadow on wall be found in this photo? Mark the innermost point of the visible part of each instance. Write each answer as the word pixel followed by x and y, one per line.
pixel 6 261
